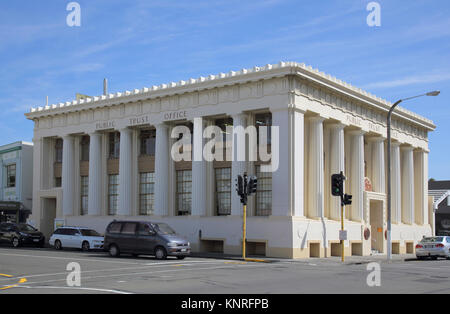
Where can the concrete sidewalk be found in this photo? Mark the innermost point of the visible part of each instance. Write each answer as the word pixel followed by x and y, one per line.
pixel 349 260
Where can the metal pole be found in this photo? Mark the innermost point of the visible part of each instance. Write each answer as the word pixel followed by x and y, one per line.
pixel 342 228
pixel 244 231
pixel 389 210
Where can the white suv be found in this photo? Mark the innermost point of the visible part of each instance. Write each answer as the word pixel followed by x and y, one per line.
pixel 76 237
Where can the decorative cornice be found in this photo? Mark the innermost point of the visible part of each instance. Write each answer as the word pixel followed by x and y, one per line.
pixel 223 79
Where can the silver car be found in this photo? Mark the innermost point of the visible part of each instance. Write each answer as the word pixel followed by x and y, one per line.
pixel 433 247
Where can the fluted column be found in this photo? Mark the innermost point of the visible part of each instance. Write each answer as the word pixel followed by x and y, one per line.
pixel 238 165
pixel 95 174
pixel 407 185
pixel 316 169
pixel 396 190
pixel 378 165
pixel 337 164
pixel 357 175
pixel 198 170
pixel 162 170
pixel 68 179
pixel 125 200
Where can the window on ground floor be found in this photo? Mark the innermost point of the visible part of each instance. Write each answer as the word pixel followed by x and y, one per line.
pixel 146 193
pixel 263 193
pixel 184 192
pixel 113 193
pixel 84 194
pixel 223 191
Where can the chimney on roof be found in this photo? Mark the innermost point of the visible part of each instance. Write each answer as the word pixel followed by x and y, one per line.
pixel 46 100
pixel 105 86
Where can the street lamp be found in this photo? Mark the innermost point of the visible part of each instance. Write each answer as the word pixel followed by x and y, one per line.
pixel 389 244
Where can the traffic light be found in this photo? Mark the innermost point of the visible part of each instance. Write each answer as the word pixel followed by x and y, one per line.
pixel 252 185
pixel 347 199
pixel 337 184
pixel 240 186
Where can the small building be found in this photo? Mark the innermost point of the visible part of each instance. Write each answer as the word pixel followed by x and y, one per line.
pixel 442 213
pixel 109 157
pixel 16 184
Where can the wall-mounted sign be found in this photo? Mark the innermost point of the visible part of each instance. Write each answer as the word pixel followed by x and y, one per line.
pixel 176 115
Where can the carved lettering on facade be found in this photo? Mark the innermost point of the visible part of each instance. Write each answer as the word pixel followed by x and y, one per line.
pixel 139 120
pixel 177 115
pixel 105 125
pixel 354 120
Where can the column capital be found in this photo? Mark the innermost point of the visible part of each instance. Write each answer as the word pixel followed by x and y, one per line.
pixel 317 119
pixel 376 139
pixel 407 148
pixel 336 125
pixel 357 132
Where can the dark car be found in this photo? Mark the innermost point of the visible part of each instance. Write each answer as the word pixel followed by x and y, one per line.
pixel 144 238
pixel 20 234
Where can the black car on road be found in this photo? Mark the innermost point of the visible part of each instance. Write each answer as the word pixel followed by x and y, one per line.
pixel 20 234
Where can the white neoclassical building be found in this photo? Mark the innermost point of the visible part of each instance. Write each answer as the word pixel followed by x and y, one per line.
pixel 108 157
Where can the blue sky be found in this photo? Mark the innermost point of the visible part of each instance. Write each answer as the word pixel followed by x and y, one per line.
pixel 145 42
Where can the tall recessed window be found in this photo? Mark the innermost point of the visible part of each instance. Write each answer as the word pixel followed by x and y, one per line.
pixel 114 145
pixel 263 193
pixel 148 142
pixel 147 193
pixel 84 189
pixel 184 192
pixel 113 193
pixel 264 120
pixel 11 176
pixel 84 145
pixel 58 150
pixel 223 191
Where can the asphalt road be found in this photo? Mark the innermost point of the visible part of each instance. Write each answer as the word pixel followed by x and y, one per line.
pixel 30 270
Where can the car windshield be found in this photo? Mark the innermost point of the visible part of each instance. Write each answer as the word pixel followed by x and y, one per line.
pixel 25 228
pixel 163 228
pixel 89 233
pixel 433 239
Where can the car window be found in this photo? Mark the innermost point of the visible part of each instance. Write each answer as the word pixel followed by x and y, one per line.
pixel 25 228
pixel 57 231
pixel 129 228
pixel 144 229
pixel 163 228
pixel 114 227
pixel 89 233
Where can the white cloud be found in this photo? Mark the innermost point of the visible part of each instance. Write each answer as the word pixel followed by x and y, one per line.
pixel 411 80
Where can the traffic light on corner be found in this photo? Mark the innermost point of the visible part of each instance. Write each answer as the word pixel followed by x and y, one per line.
pixel 252 185
pixel 337 184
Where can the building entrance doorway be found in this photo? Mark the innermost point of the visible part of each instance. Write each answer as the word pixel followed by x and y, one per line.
pixel 48 215
pixel 376 225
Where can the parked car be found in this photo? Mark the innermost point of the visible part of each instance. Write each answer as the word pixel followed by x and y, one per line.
pixel 76 237
pixel 433 247
pixel 20 234
pixel 145 238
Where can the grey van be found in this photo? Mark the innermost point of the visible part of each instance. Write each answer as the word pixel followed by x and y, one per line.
pixel 144 238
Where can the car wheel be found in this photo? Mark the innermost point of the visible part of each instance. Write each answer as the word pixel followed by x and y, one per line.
pixel 15 242
pixel 160 253
pixel 181 257
pixel 114 250
pixel 58 245
pixel 85 246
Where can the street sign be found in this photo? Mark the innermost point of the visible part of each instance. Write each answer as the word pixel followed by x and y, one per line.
pixel 343 235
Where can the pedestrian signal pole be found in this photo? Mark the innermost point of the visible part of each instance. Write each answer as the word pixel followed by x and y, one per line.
pixel 244 188
pixel 337 189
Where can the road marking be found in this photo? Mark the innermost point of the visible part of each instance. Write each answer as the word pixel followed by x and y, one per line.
pixel 21 280
pixel 76 288
pixel 122 269
pixel 143 273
